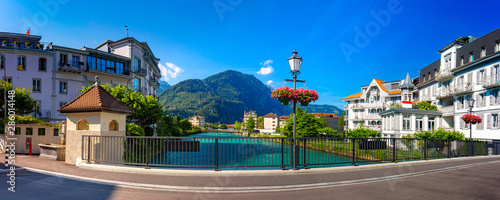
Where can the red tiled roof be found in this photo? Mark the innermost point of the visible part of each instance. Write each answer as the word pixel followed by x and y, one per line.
pixel 95 99
pixel 284 117
pixel 326 114
pixel 379 82
pixel 271 115
pixel 353 96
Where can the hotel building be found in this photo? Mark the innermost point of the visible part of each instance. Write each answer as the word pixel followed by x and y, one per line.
pixel 55 73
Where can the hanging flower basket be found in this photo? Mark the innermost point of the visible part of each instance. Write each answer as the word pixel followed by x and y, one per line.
pixel 473 119
pixel 286 95
pixel 284 101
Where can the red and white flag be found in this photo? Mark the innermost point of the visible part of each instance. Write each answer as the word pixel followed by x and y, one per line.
pixel 28 32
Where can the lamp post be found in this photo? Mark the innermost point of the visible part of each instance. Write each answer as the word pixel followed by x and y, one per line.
pixel 295 62
pixel 471 105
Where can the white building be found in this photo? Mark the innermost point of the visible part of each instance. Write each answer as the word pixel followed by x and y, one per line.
pixel 55 73
pixel 198 121
pixel 364 107
pixel 271 121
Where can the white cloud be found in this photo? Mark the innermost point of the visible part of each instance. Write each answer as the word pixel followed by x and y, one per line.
pixel 266 68
pixel 169 71
pixel 269 82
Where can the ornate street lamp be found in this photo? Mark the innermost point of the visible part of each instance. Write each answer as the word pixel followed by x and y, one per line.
pixel 295 62
pixel 471 105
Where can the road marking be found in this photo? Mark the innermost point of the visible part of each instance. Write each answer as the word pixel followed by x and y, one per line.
pixel 249 189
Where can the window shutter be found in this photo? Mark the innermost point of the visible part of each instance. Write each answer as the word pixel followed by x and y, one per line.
pixel 478 78
pixel 461 124
pixel 488 122
pixel 492 98
pixel 478 100
pixel 469 78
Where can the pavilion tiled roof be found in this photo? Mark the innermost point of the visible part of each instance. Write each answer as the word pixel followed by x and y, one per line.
pixel 95 99
pixel 381 85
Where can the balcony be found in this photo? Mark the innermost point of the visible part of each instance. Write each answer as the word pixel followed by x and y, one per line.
pixel 448 110
pixel 492 81
pixel 376 104
pixel 425 98
pixel 357 106
pixel 141 90
pixel 154 82
pixel 71 68
pixel 444 75
pixel 462 89
pixel 375 127
pixel 37 46
pixel 373 117
pixel 357 118
pixel 140 72
pixel 444 93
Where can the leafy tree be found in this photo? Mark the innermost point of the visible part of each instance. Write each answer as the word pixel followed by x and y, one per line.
pixel 423 105
pixel 342 122
pixel 168 126
pixel 24 103
pixel 439 133
pixel 278 129
pixel 307 124
pixel 147 110
pixel 222 126
pixel 260 122
pixel 134 130
pixel 185 125
pixel 362 132
pixel 250 125
pixel 237 125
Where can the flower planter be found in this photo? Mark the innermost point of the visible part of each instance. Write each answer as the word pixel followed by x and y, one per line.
pixel 305 103
pixel 284 101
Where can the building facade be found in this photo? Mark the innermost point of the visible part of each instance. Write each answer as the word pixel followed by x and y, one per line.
pixel 198 121
pixel 55 73
pixel 364 108
pixel 271 121
pixel 247 115
pixel 468 69
pixel 332 120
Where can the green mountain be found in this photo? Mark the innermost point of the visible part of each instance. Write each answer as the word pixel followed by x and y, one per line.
pixel 224 97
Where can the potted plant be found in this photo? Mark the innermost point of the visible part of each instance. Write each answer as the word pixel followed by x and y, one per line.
pixel 27 44
pixel 283 94
pixel 4 43
pixel 305 96
pixel 16 43
pixel 473 119
pixel 40 46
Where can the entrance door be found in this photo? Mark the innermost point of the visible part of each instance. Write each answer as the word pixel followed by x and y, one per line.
pixel 496 147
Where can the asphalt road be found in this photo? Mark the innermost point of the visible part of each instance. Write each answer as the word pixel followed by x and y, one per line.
pixel 470 182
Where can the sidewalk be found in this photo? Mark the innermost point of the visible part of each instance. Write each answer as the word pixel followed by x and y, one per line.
pixel 164 177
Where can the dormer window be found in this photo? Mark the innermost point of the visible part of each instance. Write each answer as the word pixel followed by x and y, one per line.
pixel 483 52
pixel 471 56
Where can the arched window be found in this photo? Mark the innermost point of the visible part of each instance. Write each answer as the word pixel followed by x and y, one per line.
pixel 113 125
pixel 82 125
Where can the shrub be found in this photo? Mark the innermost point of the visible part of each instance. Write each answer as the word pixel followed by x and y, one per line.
pixel 134 130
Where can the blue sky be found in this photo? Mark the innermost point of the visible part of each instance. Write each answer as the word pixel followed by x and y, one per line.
pixel 344 44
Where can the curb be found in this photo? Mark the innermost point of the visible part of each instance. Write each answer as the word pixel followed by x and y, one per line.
pixel 253 189
pixel 266 172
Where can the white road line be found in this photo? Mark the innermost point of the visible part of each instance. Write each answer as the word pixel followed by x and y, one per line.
pixel 249 189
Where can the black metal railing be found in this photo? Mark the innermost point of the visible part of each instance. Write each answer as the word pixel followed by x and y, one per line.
pixel 238 152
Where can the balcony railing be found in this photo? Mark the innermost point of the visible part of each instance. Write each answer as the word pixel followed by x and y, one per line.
pixel 492 81
pixel 357 118
pixel 443 93
pixel 357 106
pixel 25 45
pixel 462 89
pixel 140 71
pixel 448 110
pixel 153 81
pixel 373 116
pixel 375 127
pixel 444 75
pixel 71 68
pixel 374 105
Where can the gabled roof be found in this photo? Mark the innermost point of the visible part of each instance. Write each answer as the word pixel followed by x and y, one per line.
pixel 95 99
pixel 271 115
pixel 352 96
pixel 380 84
pixel 395 92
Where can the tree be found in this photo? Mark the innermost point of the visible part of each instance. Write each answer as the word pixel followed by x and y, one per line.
pixel 222 126
pixel 237 125
pixel 250 125
pixel 260 122
pixel 24 103
pixel 134 130
pixel 362 132
pixel 147 110
pixel 307 124
pixel 278 129
pixel 168 126
pixel 342 122
pixel 185 125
